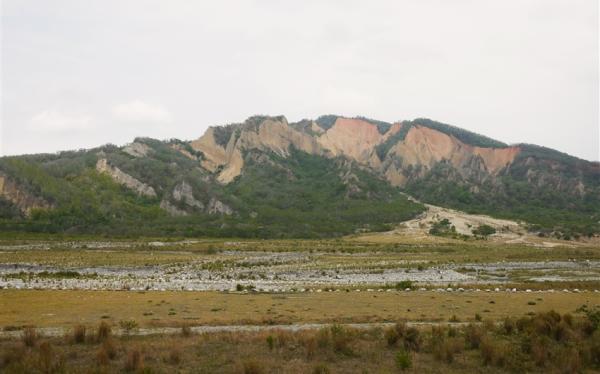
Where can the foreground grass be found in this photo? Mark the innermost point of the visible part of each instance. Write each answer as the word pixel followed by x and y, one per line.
pixel 53 308
pixel 545 342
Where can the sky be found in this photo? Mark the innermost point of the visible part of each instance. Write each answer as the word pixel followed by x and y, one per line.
pixel 77 74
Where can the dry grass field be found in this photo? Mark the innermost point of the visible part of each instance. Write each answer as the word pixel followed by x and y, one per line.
pixel 49 308
pixel 46 290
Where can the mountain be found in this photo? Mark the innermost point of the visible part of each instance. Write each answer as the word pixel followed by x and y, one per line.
pixel 266 177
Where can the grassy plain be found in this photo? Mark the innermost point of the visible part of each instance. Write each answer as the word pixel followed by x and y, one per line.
pixel 50 308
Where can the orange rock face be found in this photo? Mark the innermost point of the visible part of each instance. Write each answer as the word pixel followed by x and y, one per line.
pixel 357 140
pixel 425 146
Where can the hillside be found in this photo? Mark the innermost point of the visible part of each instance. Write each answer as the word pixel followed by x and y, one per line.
pixel 270 178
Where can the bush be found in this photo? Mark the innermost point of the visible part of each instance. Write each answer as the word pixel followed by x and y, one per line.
pixel 509 326
pixel 128 326
pixel 106 352
pixel 540 351
pixel 46 360
pixel 403 360
pixel 174 356
pixel 404 285
pixel 134 360
pixel 484 230
pixel 104 331
pixel 321 369
pixel 446 348
pixel 30 337
pixel 252 367
pixel 410 336
pixel 270 342
pixel 340 339
pixel 474 335
pixel 186 331
pixel 391 336
pixel 12 355
pixel 79 334
pixel 494 353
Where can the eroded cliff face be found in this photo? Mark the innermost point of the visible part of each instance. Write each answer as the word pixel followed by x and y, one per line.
pixel 356 140
pixel 270 135
pixel 124 179
pixel 423 147
pixel 19 197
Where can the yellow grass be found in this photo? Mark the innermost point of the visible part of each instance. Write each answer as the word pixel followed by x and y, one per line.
pixel 47 308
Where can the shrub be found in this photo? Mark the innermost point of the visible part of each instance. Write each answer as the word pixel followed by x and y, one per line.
pixel 174 356
pixel 79 334
pixel 323 338
pixel 310 345
pixel 30 337
pixel 46 361
pixel 445 349
pixel 128 326
pixel 12 355
pixel 252 367
pixel 104 331
pixel 404 285
pixel 540 352
pixel 186 331
pixel 106 352
pixel 403 360
pixel 391 336
pixel 321 369
pixel 474 335
pixel 270 342
pixel 340 339
pixel 569 360
pixel 410 336
pixel 134 360
pixel 102 357
pixel 509 326
pixel 493 353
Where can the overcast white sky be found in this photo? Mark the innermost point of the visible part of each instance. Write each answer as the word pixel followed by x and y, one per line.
pixel 83 73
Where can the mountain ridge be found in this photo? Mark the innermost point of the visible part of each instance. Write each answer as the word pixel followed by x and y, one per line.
pixel 194 181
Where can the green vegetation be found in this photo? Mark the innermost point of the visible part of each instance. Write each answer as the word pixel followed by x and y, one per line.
pixel 327 121
pixel 222 134
pixel 383 148
pixel 547 208
pixel 484 230
pixel 298 196
pixel 302 195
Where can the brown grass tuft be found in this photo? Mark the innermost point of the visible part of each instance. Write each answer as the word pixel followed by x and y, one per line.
pixel 134 360
pixel 79 334
pixel 252 366
pixel 30 337
pixel 104 331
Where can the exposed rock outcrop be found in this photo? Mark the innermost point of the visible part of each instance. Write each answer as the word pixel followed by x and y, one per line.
pixel 171 209
pixel 19 197
pixel 136 149
pixel 217 207
pixel 124 179
pixel 272 134
pixel 183 192
pixel 356 140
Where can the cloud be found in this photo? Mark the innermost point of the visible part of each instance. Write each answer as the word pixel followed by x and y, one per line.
pixel 139 111
pixel 55 121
